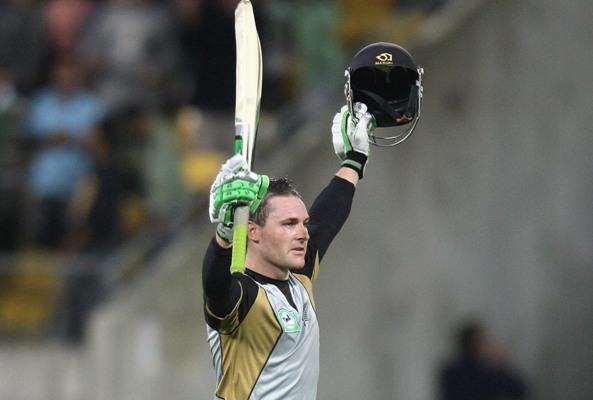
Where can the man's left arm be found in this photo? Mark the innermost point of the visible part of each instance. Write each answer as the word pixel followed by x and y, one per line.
pixel 348 174
pixel 332 207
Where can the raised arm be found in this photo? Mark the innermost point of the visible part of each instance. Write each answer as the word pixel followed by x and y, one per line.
pixel 234 186
pixel 221 291
pixel 332 207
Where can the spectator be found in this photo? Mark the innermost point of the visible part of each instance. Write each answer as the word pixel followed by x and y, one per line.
pixel 23 49
pixel 64 23
pixel 130 52
pixel 480 370
pixel 205 32
pixel 318 56
pixel 59 121
pixel 146 151
pixel 186 15
pixel 97 202
pixel 316 30
pixel 161 166
pixel 11 105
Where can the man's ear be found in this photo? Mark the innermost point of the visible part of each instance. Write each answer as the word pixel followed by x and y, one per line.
pixel 253 231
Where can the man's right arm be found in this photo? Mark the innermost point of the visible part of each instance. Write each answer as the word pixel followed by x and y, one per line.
pixel 234 185
pixel 221 291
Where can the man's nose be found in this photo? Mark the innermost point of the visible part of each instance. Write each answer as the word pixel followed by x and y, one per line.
pixel 303 233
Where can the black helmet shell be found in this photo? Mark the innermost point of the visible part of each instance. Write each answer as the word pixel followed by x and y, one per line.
pixel 383 53
pixel 384 75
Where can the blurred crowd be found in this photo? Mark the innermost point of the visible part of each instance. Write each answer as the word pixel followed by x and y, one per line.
pixel 94 100
pixel 112 110
pixel 116 114
pixel 114 117
pixel 94 96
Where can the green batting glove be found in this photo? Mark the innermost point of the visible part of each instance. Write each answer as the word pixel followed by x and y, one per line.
pixel 234 186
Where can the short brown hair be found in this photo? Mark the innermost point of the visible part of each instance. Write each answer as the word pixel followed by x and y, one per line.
pixel 278 187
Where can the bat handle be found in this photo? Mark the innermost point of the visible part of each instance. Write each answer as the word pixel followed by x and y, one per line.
pixel 241 218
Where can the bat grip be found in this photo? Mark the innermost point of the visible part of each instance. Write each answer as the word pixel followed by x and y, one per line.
pixel 241 218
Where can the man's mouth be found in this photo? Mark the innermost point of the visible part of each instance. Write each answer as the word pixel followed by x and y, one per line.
pixel 298 250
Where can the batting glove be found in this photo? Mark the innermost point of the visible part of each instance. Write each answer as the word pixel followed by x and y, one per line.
pixel 351 137
pixel 234 186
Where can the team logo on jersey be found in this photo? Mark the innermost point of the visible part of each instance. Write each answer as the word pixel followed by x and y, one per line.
pixel 289 321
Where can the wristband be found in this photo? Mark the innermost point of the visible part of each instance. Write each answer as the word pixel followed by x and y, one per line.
pixel 356 161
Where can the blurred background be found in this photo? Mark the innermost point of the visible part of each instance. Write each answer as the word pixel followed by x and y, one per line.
pixel 116 114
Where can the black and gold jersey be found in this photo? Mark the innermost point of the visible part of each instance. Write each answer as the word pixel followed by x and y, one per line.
pixel 264 333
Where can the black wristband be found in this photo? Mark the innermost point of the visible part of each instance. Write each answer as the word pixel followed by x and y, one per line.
pixel 355 161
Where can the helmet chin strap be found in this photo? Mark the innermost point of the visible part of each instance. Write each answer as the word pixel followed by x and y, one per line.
pixel 349 95
pixel 411 115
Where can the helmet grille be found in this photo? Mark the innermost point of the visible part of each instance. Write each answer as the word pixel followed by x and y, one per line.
pixel 391 83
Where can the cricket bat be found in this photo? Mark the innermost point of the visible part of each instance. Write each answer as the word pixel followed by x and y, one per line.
pixel 247 101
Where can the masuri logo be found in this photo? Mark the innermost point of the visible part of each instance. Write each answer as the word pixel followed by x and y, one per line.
pixel 384 58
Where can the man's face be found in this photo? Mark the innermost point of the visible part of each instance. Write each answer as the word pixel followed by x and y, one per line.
pixel 282 240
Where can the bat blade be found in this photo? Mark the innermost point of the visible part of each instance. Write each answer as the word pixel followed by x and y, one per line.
pixel 247 101
pixel 249 80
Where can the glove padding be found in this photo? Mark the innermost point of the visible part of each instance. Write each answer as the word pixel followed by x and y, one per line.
pixel 234 186
pixel 351 137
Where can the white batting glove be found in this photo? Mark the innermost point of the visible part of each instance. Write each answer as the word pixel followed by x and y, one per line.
pixel 351 138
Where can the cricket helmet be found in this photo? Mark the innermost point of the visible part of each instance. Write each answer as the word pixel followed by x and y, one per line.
pixel 385 77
